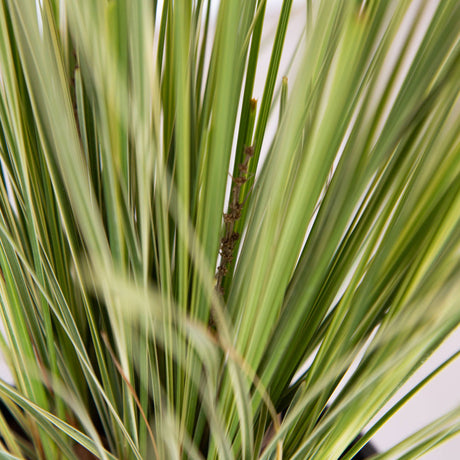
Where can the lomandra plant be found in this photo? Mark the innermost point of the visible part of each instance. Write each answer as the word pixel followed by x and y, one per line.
pixel 163 283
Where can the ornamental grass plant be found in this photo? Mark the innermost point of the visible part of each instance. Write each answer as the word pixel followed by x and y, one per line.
pixel 168 265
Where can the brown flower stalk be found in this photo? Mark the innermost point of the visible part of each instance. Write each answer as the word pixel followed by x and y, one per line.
pixel 228 241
